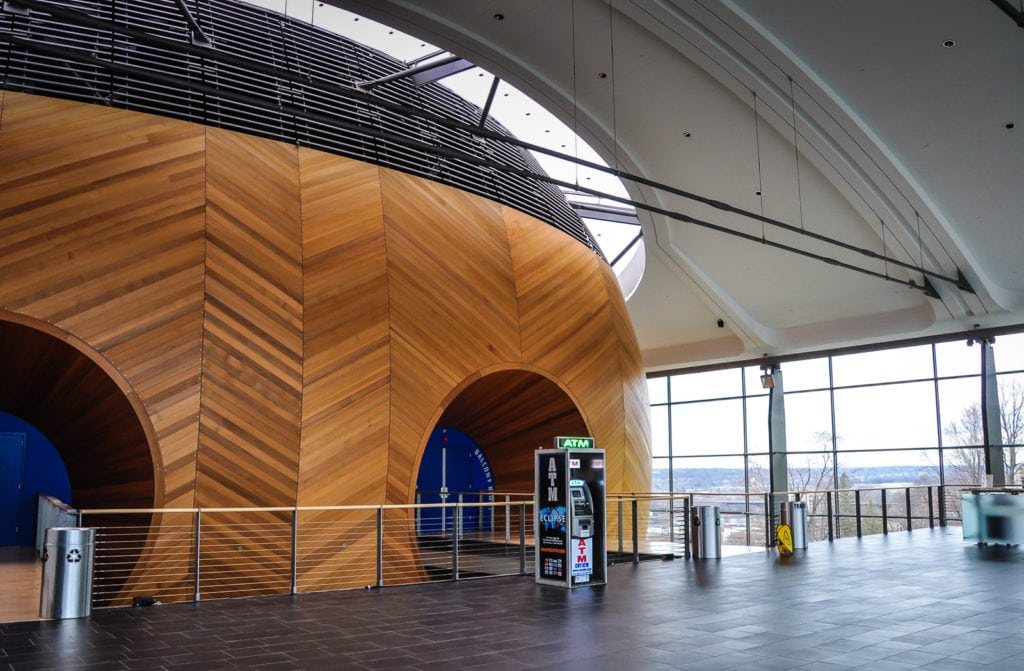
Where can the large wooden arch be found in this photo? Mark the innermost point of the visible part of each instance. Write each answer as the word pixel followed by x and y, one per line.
pixel 294 322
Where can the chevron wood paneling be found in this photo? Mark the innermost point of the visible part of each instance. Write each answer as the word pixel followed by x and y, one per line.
pixel 252 353
pixel 636 454
pixel 568 327
pixel 346 381
pixel 101 233
pixel 453 306
pixel 276 326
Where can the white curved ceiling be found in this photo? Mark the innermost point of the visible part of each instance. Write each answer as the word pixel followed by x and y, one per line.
pixel 900 148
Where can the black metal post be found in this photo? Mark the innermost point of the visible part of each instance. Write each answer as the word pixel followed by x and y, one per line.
pixel 931 509
pixel 885 513
pixel 910 518
pixel 828 509
pixel 686 527
pixel 942 505
pixel 856 509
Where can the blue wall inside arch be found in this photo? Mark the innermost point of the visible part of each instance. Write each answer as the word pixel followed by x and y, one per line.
pixel 466 470
pixel 42 471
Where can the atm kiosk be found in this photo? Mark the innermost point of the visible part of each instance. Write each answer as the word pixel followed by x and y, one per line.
pixel 569 500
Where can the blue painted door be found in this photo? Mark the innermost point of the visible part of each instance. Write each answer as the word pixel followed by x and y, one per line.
pixel 453 463
pixel 12 467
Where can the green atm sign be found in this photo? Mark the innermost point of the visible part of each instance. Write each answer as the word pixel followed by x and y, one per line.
pixel 568 443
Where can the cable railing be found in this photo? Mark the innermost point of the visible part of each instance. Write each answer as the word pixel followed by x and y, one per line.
pixel 193 554
pixel 831 514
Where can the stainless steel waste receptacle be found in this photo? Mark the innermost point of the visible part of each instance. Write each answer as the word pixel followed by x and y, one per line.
pixel 706 532
pixel 66 591
pixel 798 524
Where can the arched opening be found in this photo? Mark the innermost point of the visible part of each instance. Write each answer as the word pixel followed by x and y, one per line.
pixel 495 423
pixel 509 414
pixel 82 412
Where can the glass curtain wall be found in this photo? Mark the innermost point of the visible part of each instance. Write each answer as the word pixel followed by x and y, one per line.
pixel 886 418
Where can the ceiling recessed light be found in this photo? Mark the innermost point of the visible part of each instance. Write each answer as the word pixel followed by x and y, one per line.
pixel 499 17
pixel 686 133
pixel 1009 125
pixel 949 44
pixel 602 75
pixel 757 193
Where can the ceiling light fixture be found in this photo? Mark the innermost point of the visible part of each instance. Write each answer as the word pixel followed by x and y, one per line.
pixel 767 379
pixel 949 44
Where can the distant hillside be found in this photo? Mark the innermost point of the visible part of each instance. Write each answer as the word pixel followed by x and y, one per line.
pixel 731 479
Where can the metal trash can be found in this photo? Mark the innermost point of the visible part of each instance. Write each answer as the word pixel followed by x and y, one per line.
pixel 706 532
pixel 66 591
pixel 798 523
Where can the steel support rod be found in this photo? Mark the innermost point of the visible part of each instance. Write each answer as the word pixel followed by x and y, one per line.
pixel 636 532
pixel 295 551
pixel 522 539
pixel 456 535
pixel 380 547
pixel 620 525
pixel 931 509
pixel 199 525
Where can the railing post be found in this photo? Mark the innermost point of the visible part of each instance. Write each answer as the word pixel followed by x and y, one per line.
pixel 636 532
pixel 856 509
pixel 885 513
pixel 686 527
pixel 508 519
pixel 829 512
pixel 380 546
pixel 910 519
pixel 295 551
pixel 457 518
pixel 942 505
pixel 199 525
pixel 931 509
pixel 456 535
pixel 522 538
pixel 620 525
pixel 769 539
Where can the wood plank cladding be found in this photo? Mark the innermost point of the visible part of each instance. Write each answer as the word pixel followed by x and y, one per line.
pixel 252 335
pixel 287 327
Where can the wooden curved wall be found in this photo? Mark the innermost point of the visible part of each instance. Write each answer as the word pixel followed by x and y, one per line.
pixel 295 323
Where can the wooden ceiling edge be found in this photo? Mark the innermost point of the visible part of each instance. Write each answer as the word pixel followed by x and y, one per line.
pixel 115 376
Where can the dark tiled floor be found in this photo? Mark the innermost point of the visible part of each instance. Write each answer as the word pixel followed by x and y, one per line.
pixel 920 600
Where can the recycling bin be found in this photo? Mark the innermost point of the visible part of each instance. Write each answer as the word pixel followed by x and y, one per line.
pixel 66 590
pixel 706 532
pixel 798 524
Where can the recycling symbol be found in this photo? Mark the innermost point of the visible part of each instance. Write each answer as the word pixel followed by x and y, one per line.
pixel 74 556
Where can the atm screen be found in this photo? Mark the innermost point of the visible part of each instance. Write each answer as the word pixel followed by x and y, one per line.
pixel 577 496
